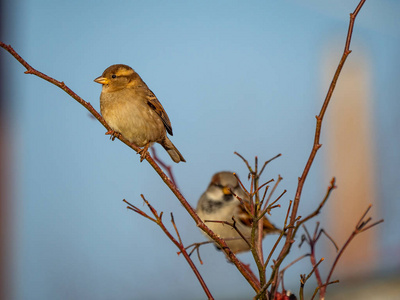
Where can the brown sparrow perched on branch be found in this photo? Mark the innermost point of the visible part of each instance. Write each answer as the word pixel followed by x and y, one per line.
pixel 218 203
pixel 131 109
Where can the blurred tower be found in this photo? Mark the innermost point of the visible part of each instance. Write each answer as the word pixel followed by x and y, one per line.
pixel 349 156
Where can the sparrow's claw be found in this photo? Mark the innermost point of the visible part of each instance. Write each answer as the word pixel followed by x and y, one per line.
pixel 113 134
pixel 143 152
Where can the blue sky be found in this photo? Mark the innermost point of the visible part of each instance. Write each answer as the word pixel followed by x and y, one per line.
pixel 232 76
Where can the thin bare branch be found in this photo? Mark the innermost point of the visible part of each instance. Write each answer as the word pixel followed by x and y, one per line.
pixel 139 211
pixel 166 167
pixel 272 191
pixel 243 203
pixel 241 184
pixel 281 273
pixel 316 145
pixel 293 262
pixel 372 225
pixel 245 161
pixel 261 186
pixel 159 222
pixel 331 187
pixel 304 278
pixel 330 238
pixel 176 229
pixel 359 228
pixel 267 162
pixel 276 200
pixel 196 247
pixel 317 289
pixel 233 225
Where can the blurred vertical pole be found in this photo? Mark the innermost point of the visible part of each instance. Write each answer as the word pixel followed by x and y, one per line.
pixel 5 278
pixel 348 146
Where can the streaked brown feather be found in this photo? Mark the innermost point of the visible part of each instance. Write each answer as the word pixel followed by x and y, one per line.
pixel 246 219
pixel 154 104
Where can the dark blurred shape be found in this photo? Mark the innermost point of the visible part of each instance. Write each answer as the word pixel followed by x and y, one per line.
pixel 5 278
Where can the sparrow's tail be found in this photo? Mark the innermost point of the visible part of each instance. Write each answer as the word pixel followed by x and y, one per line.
pixel 172 151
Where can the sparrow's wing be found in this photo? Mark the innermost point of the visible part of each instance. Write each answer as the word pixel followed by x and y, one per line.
pixel 243 215
pixel 246 219
pixel 269 227
pixel 154 104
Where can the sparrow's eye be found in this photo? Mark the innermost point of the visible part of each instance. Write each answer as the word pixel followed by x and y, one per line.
pixel 114 76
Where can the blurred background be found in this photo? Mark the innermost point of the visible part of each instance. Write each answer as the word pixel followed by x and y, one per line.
pixel 232 76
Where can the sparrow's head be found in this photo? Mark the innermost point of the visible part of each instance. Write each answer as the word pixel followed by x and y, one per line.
pixel 219 194
pixel 223 185
pixel 117 77
pixel 225 180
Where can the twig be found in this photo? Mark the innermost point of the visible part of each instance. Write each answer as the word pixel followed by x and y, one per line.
pixel 316 290
pixel 257 228
pixel 241 184
pixel 272 192
pixel 249 211
pixel 267 210
pixel 280 237
pixel 274 270
pixel 330 238
pixel 361 226
pixel 245 161
pixel 304 278
pixel 176 229
pixel 281 273
pixel 261 186
pixel 267 162
pixel 158 220
pixel 312 241
pixel 316 145
pixel 331 187
pixel 166 167
pixel 256 212
pixel 292 263
pixel 233 225
pixel 196 247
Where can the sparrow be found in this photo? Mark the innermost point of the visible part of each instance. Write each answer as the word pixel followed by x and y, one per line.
pixel 131 109
pixel 219 203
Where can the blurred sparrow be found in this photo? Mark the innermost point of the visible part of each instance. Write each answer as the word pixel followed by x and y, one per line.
pixel 219 204
pixel 131 109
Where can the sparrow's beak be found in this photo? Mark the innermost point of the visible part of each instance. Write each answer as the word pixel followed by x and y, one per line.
pixel 226 190
pixel 102 80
